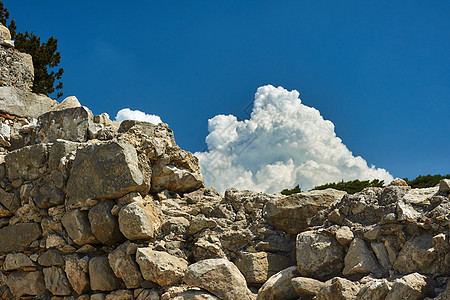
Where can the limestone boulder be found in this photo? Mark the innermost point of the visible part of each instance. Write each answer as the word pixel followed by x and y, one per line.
pixel 124 266
pixel 28 162
pixel 171 168
pixel 418 255
pixel 110 169
pixel 257 267
pixel 279 286
pixel 77 272
pixel 293 214
pixel 412 287
pixel 4 32
pixel 69 124
pixel 319 255
pixel 374 289
pixel 68 102
pixel 51 258
pixel 344 235
pixel 56 281
pixel 160 267
pixel 76 223
pixel 26 283
pixel 101 275
pixel 306 287
pixel 104 225
pixel 18 236
pixel 16 261
pixel 220 277
pixel 22 103
pixel 138 220
pixel 359 260
pixel 16 68
pixel 338 288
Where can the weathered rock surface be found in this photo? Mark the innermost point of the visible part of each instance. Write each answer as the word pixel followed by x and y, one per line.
pixel 16 69
pixel 337 289
pixel 412 286
pixel 359 260
pixel 306 287
pixel 17 237
pixel 76 223
pixel 138 220
pixel 18 102
pixel 259 266
pixel 70 124
pixel 27 163
pixel 319 255
pixel 101 275
pixel 77 273
pixel 104 225
pixel 220 277
pixel 279 286
pixel 26 283
pixel 110 169
pixel 293 214
pixel 56 281
pixel 124 265
pixel 160 267
pixel 16 261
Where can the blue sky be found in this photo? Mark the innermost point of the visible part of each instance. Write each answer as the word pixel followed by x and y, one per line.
pixel 379 70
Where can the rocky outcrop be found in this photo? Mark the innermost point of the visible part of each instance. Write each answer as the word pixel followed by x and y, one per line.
pixel 93 210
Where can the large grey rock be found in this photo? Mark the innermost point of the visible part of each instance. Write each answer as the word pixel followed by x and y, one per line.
pixel 16 68
pixel 17 237
pixel 104 225
pixel 9 200
pixel 293 214
pixel 259 266
pixel 56 281
pixel 138 221
pixel 220 277
pixel 359 260
pixel 418 255
pixel 77 272
pixel 101 275
pixel 48 195
pixel 160 267
pixel 279 286
pixel 51 258
pixel 124 266
pixel 171 168
pixel 26 283
pixel 319 256
pixel 76 223
pixel 27 163
pixel 375 289
pixel 306 287
pixel 411 287
pixel 16 101
pixel 16 261
pixel 69 124
pixel 337 289
pixel 110 169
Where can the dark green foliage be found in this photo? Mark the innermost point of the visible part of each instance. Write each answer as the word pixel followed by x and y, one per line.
pixel 45 56
pixel 426 181
pixel 351 187
pixel 293 191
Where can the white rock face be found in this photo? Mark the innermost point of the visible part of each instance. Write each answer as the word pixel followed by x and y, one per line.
pixel 220 277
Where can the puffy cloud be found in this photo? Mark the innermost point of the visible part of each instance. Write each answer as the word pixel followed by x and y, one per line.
pixel 128 114
pixel 284 143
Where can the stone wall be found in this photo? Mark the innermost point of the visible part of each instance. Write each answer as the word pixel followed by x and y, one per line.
pixel 93 210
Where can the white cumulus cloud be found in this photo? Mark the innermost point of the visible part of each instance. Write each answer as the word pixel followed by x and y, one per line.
pixel 284 143
pixel 128 114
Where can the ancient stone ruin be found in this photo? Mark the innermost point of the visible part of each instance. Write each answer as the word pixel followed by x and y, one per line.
pixel 90 209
